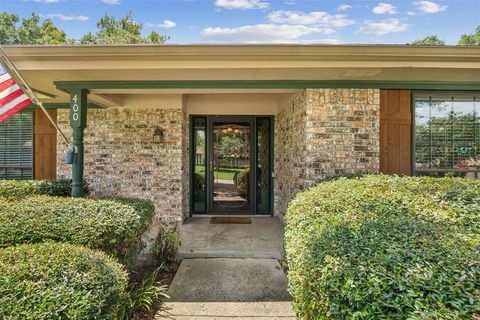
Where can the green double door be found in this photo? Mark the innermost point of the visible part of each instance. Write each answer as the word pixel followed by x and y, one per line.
pixel 231 161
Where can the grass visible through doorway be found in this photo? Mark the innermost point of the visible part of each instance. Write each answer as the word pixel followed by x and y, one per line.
pixel 230 220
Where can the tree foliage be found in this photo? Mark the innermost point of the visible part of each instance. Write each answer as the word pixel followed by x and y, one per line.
pixel 121 31
pixel 431 40
pixel 472 39
pixel 231 146
pixel 31 31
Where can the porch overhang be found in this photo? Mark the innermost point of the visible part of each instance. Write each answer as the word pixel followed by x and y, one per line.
pixel 113 73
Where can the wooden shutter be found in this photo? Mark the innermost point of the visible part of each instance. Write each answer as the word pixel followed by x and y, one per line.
pixel 395 132
pixel 45 145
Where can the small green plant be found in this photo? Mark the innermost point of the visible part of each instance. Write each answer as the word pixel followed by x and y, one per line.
pixel 166 246
pixel 146 296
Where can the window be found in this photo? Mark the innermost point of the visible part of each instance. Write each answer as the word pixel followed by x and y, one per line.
pixel 447 134
pixel 16 147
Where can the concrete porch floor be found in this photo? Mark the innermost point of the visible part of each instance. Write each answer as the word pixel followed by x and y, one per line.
pixel 230 271
pixel 262 239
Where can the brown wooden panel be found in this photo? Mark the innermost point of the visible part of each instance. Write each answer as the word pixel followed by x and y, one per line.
pixel 45 137
pixel 395 132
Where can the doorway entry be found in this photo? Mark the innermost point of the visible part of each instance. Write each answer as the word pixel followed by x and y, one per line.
pixel 231 165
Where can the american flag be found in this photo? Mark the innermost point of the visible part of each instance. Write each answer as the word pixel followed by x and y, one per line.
pixel 12 97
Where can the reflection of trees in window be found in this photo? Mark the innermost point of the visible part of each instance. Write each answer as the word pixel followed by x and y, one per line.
pixel 446 133
pixel 232 147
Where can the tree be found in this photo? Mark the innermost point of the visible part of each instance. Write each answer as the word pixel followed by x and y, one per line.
pixel 431 40
pixel 122 31
pixel 231 146
pixel 8 28
pixel 110 31
pixel 472 39
pixel 30 30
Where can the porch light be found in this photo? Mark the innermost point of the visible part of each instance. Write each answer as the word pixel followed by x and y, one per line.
pixel 158 136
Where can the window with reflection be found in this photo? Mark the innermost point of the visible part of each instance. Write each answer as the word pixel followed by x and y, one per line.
pixel 16 147
pixel 447 134
pixel 199 190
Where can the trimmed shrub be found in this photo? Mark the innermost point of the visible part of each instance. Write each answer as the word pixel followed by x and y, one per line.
pixel 385 247
pixel 60 281
pixel 113 226
pixel 241 180
pixel 23 188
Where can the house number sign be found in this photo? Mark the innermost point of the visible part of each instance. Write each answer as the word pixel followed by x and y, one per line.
pixel 75 115
pixel 78 109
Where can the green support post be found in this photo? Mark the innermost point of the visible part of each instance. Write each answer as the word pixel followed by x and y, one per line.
pixel 78 122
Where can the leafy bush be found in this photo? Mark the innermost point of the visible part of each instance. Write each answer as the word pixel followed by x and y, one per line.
pixel 60 281
pixel 113 226
pixel 166 245
pixel 23 188
pixel 384 247
pixel 61 187
pixel 241 180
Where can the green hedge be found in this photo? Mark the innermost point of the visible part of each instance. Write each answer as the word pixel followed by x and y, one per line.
pixel 23 188
pixel 60 281
pixel 385 247
pixel 113 226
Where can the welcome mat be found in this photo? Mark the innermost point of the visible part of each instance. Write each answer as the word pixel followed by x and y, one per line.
pixel 230 220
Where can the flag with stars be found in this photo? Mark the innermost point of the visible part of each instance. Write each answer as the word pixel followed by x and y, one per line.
pixel 12 98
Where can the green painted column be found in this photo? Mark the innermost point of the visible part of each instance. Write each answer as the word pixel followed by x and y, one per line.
pixel 78 122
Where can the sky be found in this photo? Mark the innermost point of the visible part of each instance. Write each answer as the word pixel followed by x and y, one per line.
pixel 268 21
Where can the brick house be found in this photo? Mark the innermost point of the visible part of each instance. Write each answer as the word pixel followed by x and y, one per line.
pixel 298 113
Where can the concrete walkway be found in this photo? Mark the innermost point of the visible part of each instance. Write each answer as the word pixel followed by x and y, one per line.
pixel 261 239
pixel 230 271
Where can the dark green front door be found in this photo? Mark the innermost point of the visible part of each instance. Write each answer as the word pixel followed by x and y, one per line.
pixel 231 165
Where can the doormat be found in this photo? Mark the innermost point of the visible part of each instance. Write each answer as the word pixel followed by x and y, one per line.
pixel 230 220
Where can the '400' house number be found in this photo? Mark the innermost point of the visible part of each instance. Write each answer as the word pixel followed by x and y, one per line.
pixel 75 115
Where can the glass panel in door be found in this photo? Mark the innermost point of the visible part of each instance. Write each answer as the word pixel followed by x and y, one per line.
pixel 263 165
pixel 199 159
pixel 231 167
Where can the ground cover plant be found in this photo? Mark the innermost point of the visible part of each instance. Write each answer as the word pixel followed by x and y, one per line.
pixel 385 247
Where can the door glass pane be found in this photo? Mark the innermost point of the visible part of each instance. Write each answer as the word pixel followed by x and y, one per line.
pixel 231 167
pixel 263 165
pixel 199 165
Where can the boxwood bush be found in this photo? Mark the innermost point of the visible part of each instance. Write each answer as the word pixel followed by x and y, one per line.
pixel 385 247
pixel 23 188
pixel 60 281
pixel 113 226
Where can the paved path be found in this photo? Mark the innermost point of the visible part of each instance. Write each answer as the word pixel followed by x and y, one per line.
pixel 246 283
pixel 229 310
pixel 261 239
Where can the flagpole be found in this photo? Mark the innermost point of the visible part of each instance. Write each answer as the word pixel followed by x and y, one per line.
pixel 30 93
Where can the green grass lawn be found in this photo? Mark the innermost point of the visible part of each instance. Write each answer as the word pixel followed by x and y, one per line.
pixel 223 173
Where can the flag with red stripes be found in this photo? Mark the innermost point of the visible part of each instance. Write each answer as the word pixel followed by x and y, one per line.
pixel 12 97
